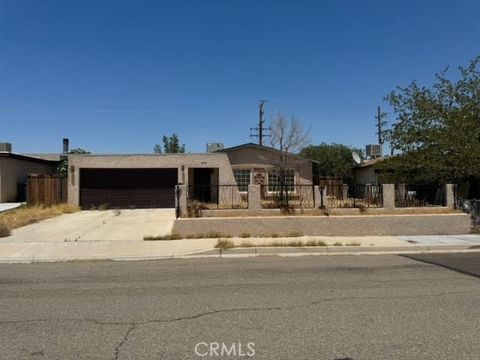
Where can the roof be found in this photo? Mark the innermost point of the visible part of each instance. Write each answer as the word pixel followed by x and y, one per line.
pixel 371 162
pixel 15 156
pixel 262 147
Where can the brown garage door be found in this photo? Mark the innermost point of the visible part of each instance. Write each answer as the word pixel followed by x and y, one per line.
pixel 128 188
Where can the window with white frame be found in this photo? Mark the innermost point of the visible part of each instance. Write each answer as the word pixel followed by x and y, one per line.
pixel 242 177
pixel 274 183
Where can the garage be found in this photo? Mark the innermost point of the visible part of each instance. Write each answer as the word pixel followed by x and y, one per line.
pixel 128 188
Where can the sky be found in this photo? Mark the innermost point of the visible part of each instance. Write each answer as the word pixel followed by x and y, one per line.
pixel 115 76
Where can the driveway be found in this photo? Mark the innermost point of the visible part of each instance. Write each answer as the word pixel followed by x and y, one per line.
pixel 109 225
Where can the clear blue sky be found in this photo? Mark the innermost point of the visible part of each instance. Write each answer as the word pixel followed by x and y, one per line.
pixel 114 76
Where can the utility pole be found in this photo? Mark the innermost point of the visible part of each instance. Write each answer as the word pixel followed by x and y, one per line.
pixel 258 131
pixel 380 124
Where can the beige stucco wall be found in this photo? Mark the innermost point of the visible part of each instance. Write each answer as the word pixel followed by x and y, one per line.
pixel 255 158
pixel 440 224
pixel 15 171
pixel 182 162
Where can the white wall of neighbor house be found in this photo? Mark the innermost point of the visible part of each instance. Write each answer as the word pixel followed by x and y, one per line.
pixel 182 162
pixel 14 172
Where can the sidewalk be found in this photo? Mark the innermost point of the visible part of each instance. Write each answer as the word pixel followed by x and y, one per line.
pixel 14 252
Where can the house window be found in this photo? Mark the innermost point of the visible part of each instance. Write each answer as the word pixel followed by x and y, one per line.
pixel 274 181
pixel 242 177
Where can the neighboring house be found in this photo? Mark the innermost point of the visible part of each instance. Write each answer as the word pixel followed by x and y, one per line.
pixel 148 180
pixel 14 170
pixel 365 173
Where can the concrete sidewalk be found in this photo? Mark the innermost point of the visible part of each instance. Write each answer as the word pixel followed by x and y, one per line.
pixel 33 251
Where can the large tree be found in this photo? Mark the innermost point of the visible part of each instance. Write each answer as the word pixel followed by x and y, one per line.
pixel 334 159
pixel 171 145
pixel 437 128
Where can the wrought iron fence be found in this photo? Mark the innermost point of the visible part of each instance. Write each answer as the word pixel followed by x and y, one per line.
pixel 298 196
pixel 419 195
pixel 354 196
pixel 217 197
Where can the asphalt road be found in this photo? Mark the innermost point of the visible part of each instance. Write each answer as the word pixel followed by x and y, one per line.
pixel 325 307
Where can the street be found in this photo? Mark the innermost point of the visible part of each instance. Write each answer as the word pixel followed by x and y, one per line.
pixel 324 307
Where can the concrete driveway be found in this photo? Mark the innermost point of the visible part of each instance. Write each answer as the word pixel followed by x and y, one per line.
pixel 108 225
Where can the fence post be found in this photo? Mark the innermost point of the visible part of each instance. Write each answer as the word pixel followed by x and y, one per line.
pixel 449 196
pixel 318 197
pixel 388 196
pixel 181 200
pixel 254 197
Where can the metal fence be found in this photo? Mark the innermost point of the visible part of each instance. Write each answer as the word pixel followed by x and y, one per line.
pixel 298 196
pixel 419 195
pixel 217 197
pixel 354 196
pixel 472 207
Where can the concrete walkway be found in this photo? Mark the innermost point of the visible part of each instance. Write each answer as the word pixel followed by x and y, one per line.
pixel 29 251
pixel 9 206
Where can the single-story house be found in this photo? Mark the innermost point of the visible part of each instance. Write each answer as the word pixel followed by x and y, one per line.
pixel 366 173
pixel 148 180
pixel 14 170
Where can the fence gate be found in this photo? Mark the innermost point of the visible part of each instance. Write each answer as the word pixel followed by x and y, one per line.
pixel 46 189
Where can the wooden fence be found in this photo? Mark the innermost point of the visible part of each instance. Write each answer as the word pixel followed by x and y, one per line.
pixel 46 189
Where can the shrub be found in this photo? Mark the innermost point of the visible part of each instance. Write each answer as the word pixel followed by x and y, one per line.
pixel 4 231
pixel 224 244
pixel 337 243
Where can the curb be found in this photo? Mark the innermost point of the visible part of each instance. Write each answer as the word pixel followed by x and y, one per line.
pixel 232 256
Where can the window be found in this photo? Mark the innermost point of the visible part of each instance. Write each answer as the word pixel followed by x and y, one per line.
pixel 274 181
pixel 242 177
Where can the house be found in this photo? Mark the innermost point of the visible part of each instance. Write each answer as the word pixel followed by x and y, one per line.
pixel 14 170
pixel 366 173
pixel 148 180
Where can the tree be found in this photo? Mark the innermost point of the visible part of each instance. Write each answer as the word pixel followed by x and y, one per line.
pixel 171 145
pixel 287 137
pixel 334 159
pixel 62 168
pixel 437 128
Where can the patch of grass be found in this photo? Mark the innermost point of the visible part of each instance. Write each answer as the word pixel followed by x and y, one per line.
pixel 216 234
pixel 353 243
pixel 316 243
pixel 247 244
pixel 224 244
pixel 274 235
pixel 4 230
pixel 102 207
pixel 294 233
pixel 245 235
pixel 337 243
pixel 173 236
pixel 475 230
pixel 26 215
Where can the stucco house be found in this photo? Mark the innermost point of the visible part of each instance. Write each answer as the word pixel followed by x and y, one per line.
pixel 148 180
pixel 14 170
